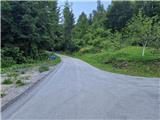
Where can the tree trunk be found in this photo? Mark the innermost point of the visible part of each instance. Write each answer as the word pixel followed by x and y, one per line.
pixel 143 50
pixel 144 46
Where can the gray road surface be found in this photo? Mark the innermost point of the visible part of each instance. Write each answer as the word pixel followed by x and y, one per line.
pixel 79 91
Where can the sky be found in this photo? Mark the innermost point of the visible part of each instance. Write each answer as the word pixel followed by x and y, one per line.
pixel 79 6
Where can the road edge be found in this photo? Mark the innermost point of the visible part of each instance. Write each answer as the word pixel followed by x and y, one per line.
pixel 54 70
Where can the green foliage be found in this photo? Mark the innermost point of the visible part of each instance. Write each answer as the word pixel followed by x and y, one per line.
pixel 119 12
pixel 19 83
pixel 67 26
pixel 149 8
pixel 141 30
pixel 28 28
pixel 89 49
pixel 12 55
pixel 12 74
pixel 133 54
pixel 2 94
pixel 126 60
pixel 99 16
pixel 14 69
pixel 43 68
pixel 80 29
pixel 7 81
pixel 7 62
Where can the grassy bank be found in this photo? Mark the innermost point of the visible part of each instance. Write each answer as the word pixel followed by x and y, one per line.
pixel 126 61
pixel 34 63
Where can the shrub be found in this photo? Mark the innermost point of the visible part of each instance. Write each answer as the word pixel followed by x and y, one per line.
pixel 44 55
pixel 7 62
pixel 2 94
pixel 15 53
pixel 43 68
pixel 7 81
pixel 29 60
pixel 89 49
pixel 12 75
pixel 26 77
pixel 19 83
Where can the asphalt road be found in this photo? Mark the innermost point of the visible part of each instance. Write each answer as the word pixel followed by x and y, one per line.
pixel 79 91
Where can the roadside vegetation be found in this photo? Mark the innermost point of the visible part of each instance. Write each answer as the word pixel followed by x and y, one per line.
pixel 43 68
pixel 126 61
pixel 124 38
pixel 27 38
pixel 14 69
pixel 2 94
pixel 18 75
pixel 7 81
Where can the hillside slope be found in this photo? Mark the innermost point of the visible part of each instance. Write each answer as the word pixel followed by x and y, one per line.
pixel 126 60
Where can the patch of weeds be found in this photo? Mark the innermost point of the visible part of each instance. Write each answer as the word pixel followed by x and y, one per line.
pixel 26 77
pixel 7 81
pixel 23 70
pixel 2 94
pixel 43 68
pixel 19 83
pixel 13 75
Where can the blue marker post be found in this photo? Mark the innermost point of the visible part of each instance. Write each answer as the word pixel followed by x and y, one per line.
pixel 53 57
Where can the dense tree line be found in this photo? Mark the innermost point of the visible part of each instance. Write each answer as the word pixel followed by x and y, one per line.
pixel 123 23
pixel 28 28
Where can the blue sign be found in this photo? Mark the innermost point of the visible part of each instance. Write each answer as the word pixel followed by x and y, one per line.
pixel 52 57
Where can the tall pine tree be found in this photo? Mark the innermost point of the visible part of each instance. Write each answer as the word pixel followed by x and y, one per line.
pixel 68 24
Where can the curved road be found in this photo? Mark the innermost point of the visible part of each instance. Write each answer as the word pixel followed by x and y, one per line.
pixel 76 90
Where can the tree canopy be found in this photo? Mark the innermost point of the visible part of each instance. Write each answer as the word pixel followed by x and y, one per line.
pixel 31 27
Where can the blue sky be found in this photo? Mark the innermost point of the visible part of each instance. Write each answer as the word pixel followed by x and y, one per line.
pixel 79 6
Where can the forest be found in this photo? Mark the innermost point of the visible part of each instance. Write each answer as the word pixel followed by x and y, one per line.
pixel 124 38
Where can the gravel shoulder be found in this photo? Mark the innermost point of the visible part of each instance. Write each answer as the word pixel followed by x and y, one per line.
pixel 30 77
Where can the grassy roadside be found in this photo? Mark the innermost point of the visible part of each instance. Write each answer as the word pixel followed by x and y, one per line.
pixel 19 75
pixel 126 61
pixel 30 65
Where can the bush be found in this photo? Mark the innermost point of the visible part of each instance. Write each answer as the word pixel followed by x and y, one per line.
pixel 44 55
pixel 13 75
pixel 109 45
pixel 2 94
pixel 7 62
pixel 29 60
pixel 7 81
pixel 13 53
pixel 89 49
pixel 43 68
pixel 19 83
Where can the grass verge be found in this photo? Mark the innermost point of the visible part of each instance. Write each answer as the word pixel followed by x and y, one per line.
pixel 43 68
pixel 19 83
pixel 16 67
pixel 126 61
pixel 7 82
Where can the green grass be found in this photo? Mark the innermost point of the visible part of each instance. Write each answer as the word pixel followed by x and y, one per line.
pixel 16 67
pixel 19 83
pixel 7 82
pixel 126 61
pixel 43 68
